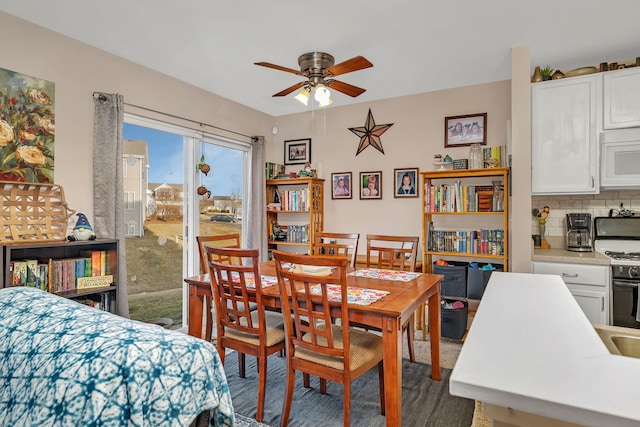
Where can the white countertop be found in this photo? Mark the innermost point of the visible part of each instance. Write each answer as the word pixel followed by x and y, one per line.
pixel 562 255
pixel 531 348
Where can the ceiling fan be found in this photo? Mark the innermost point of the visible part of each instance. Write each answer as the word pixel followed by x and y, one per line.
pixel 319 69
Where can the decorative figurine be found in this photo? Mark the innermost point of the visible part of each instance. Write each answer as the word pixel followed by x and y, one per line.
pixel 82 230
pixel 307 171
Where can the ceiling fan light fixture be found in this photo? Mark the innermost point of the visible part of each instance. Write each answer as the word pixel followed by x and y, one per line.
pixel 303 96
pixel 326 103
pixel 322 95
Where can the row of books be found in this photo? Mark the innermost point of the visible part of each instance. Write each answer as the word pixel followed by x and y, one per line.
pixel 59 275
pixel 488 242
pixel 289 233
pixel 458 198
pixel 103 303
pixel 273 170
pixel 295 200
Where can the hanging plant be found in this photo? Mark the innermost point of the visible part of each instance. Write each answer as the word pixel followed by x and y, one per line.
pixel 203 167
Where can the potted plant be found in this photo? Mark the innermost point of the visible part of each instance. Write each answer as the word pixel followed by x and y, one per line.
pixel 546 72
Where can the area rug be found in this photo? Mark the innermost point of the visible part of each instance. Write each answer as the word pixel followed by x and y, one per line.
pixel 424 402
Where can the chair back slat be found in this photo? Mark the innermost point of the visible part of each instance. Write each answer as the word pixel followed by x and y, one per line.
pixel 220 241
pixel 337 244
pixel 229 285
pixel 392 252
pixel 309 327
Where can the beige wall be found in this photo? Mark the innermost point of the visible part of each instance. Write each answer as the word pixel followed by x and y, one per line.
pixel 416 135
pixel 78 70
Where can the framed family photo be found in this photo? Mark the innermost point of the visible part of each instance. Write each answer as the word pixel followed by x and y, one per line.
pixel 460 131
pixel 297 151
pixel 341 185
pixel 405 182
pixel 370 185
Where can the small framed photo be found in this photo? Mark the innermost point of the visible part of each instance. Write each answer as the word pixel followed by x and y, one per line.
pixel 370 185
pixel 341 185
pixel 460 131
pixel 297 151
pixel 406 182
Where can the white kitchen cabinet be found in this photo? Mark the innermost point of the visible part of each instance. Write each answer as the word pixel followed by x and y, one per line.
pixel 564 136
pixel 621 96
pixel 589 285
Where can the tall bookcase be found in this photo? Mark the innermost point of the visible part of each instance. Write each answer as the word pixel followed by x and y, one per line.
pixel 452 224
pixel 97 289
pixel 301 212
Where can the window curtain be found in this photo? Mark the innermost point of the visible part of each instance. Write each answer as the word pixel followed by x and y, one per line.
pixel 108 195
pixel 256 214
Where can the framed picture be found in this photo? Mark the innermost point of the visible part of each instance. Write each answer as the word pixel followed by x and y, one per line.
pixel 405 182
pixel 370 185
pixel 297 151
pixel 341 185
pixel 465 130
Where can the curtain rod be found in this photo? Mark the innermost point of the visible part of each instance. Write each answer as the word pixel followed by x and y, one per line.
pixel 188 120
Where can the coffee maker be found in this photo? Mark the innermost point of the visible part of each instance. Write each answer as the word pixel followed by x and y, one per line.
pixel 579 232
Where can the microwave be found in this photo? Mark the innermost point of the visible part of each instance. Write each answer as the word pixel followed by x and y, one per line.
pixel 620 158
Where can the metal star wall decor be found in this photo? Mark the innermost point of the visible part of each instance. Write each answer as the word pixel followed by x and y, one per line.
pixel 370 134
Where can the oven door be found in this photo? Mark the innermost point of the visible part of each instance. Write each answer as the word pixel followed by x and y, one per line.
pixel 625 303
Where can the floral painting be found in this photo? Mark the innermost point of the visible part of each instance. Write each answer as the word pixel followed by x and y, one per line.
pixel 27 128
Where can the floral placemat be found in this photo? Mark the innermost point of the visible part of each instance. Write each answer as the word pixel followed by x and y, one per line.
pixel 376 273
pixel 250 280
pixel 355 296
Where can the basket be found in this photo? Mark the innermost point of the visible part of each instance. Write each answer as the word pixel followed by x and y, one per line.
pixel 32 211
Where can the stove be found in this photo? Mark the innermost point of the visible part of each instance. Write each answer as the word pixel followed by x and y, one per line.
pixel 619 239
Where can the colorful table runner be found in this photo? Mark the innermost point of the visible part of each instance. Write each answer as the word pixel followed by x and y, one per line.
pixel 356 296
pixel 375 273
pixel 250 280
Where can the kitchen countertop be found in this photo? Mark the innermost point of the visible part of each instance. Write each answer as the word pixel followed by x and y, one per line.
pixel 530 348
pixel 562 255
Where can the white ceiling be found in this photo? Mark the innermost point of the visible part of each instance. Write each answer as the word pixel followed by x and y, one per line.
pixel 415 46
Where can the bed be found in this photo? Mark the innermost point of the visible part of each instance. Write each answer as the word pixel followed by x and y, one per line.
pixel 63 363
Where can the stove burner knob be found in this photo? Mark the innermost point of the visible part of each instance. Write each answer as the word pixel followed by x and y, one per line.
pixel 633 271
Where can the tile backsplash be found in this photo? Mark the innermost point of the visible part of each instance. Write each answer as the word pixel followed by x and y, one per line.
pixel 595 204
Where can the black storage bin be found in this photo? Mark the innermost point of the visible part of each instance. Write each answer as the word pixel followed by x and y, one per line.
pixel 453 320
pixel 454 283
pixel 477 279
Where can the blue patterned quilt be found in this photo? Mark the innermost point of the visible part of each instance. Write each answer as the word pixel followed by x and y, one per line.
pixel 66 364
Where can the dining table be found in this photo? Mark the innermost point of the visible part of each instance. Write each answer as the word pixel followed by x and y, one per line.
pixel 405 293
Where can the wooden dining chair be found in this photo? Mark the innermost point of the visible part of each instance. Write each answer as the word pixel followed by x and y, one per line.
pixel 315 346
pixel 258 332
pixel 221 241
pixel 340 244
pixel 395 253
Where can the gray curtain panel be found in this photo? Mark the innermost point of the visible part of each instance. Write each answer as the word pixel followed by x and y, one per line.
pixel 108 199
pixel 256 213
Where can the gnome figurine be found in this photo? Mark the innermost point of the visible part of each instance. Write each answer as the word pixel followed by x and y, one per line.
pixel 82 230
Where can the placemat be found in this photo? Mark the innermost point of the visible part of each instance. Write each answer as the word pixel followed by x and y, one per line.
pixel 355 295
pixel 376 273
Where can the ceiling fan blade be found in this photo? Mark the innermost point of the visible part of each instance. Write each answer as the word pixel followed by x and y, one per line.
pixel 345 88
pixel 279 67
pixel 353 64
pixel 290 89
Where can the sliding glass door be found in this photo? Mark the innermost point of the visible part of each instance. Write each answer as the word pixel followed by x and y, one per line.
pixel 166 206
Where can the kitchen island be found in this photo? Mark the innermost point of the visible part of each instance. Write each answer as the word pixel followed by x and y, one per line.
pixel 533 358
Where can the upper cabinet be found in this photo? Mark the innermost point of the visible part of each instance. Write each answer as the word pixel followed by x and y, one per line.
pixel 564 135
pixel 621 100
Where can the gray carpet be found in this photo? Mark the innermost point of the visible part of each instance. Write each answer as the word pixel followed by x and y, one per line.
pixel 424 402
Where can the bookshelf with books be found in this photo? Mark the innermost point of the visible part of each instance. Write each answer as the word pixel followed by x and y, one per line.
pixel 295 212
pixel 465 216
pixel 85 271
